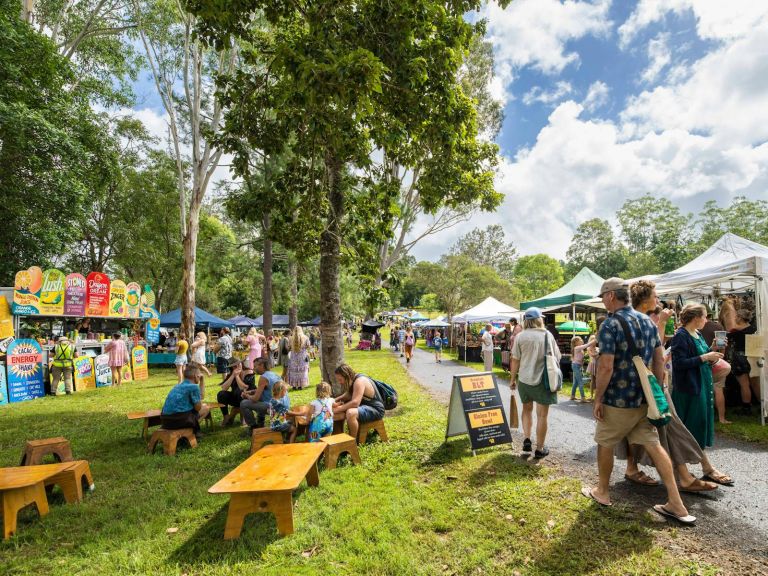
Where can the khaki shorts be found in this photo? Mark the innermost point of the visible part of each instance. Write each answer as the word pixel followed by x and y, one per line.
pixel 629 423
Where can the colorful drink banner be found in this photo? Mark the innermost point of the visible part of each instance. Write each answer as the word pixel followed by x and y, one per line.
pixel 3 386
pixel 126 373
pixel 6 322
pixel 97 296
pixel 118 307
pixel 139 357
pixel 52 293
pixel 25 371
pixel 152 331
pixel 26 291
pixel 103 371
pixel 133 299
pixel 84 376
pixel 75 291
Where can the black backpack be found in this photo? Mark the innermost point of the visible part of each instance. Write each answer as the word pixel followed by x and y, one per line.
pixel 385 391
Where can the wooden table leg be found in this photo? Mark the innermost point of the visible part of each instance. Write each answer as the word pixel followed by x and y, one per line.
pixel 16 499
pixel 239 506
pixel 145 430
pixel 281 505
pixel 313 478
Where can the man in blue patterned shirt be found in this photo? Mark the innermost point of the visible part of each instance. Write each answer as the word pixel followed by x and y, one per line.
pixel 620 408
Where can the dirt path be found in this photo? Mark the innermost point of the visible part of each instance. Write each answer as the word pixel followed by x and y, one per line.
pixel 732 526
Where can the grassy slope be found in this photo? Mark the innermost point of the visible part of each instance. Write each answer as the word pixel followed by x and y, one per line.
pixel 415 506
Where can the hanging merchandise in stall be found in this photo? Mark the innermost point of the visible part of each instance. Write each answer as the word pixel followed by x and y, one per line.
pixel 26 291
pixel 97 297
pixel 25 370
pixel 75 291
pixel 52 293
pixel 102 370
pixel 139 359
pixel 84 376
pixel 3 386
pixel 118 307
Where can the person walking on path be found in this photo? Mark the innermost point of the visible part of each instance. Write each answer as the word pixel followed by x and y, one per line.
pixel 619 406
pixel 401 340
pixel 63 365
pixel 298 364
pixel 487 348
pixel 410 341
pixel 118 357
pixel 526 374
pixel 437 343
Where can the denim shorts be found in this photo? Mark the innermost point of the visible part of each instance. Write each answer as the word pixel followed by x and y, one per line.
pixel 181 360
pixel 222 365
pixel 368 414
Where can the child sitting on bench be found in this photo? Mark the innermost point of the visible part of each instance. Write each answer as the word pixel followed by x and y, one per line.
pixel 279 406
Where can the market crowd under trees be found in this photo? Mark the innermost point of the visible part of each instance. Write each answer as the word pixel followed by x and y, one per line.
pixel 346 124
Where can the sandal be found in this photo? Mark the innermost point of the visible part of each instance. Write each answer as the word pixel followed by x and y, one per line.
pixel 687 520
pixel 698 486
pixel 587 492
pixel 641 478
pixel 718 478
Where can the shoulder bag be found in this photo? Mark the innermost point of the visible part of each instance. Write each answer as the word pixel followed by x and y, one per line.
pixel 552 377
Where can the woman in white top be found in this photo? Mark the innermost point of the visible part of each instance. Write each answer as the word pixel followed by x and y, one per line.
pixel 198 357
pixel 526 370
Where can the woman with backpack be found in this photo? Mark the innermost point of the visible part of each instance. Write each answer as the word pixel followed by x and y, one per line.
pixel 360 400
pixel 410 341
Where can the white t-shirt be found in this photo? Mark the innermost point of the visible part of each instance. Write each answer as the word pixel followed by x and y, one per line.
pixel 529 349
pixel 198 354
pixel 318 403
pixel 487 340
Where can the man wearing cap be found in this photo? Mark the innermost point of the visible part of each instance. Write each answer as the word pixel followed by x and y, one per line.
pixel 527 362
pixel 63 354
pixel 620 408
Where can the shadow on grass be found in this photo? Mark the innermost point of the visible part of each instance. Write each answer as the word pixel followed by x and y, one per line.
pixel 504 466
pixel 612 534
pixel 207 545
pixel 449 451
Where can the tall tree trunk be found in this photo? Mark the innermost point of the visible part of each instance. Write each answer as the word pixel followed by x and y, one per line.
pixel 266 290
pixel 332 349
pixel 293 275
pixel 188 283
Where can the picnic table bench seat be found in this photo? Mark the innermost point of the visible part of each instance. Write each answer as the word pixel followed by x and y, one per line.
pixel 152 417
pixel 170 440
pixel 336 445
pixel 265 483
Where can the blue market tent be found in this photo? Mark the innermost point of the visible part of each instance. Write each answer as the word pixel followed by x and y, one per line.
pixel 314 322
pixel 243 322
pixel 277 320
pixel 417 316
pixel 172 319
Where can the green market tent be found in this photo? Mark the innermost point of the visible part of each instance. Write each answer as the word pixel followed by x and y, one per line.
pixel 577 327
pixel 584 286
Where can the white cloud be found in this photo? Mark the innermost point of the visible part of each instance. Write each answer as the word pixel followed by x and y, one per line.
pixel 715 19
pixel 538 94
pixel 659 57
pixel 597 96
pixel 535 33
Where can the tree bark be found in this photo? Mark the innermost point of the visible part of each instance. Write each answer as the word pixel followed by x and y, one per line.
pixel 332 348
pixel 188 283
pixel 266 289
pixel 293 275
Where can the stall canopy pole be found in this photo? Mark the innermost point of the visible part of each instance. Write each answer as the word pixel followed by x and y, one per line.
pixel 466 339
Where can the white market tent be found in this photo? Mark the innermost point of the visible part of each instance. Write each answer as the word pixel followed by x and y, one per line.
pixel 489 310
pixel 731 265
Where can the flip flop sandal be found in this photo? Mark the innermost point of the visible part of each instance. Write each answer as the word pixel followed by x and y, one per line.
pixel 587 492
pixel 723 479
pixel 642 479
pixel 685 520
pixel 696 487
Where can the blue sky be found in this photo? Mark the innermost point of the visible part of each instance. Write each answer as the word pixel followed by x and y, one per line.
pixel 607 100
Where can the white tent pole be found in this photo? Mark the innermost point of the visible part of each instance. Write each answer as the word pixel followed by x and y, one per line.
pixel 466 340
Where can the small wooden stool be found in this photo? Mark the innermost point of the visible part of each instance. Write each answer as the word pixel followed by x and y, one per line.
pixel 337 445
pixel 170 439
pixel 72 479
pixel 338 423
pixel 378 425
pixel 36 450
pixel 151 418
pixel 263 436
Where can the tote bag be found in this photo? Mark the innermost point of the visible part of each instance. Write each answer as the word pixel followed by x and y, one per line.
pixel 552 377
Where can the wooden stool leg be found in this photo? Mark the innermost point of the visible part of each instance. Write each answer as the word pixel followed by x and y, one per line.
pixel 70 485
pixel 381 429
pixel 145 430
pixel 86 473
pixel 354 454
pixel 313 478
pixel 169 446
pixel 152 445
pixel 64 453
pixel 331 458
pixel 15 500
pixel 240 505
pixel 281 505
pixel 192 441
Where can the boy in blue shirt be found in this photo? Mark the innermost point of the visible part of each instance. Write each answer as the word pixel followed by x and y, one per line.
pixel 183 406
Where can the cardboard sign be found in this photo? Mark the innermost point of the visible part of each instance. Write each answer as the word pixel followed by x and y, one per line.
pixel 152 331
pixel 133 299
pixel 754 345
pixel 3 386
pixel 102 370
pixel 52 293
pixel 84 375
pixel 118 308
pixel 25 371
pixel 139 360
pixel 477 397
pixel 6 322
pixel 26 291
pixel 75 292
pixel 97 296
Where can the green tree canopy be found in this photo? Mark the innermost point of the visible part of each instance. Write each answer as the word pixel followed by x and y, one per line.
pixel 595 246
pixel 488 247
pixel 537 275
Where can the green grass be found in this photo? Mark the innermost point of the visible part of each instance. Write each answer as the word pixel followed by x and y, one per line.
pixel 416 506
pixel 744 427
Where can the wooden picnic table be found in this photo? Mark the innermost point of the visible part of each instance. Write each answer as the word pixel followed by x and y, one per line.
pixel 265 483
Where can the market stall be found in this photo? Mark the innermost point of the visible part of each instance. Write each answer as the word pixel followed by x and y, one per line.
pixel 489 310
pixel 204 321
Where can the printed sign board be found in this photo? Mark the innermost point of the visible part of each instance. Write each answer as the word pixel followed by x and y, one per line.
pixel 75 292
pixel 133 299
pixel 52 293
pixel 84 376
pixel 152 331
pixel 6 321
pixel 25 371
pixel 3 386
pixel 102 370
pixel 97 296
pixel 477 397
pixel 118 307
pixel 139 358
pixel 26 291
pixel 126 373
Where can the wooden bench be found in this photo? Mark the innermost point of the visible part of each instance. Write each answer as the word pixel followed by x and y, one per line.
pixel 262 436
pixel 377 425
pixel 36 450
pixel 24 485
pixel 265 483
pixel 153 418
pixel 336 445
pixel 170 439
